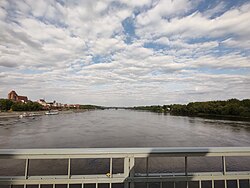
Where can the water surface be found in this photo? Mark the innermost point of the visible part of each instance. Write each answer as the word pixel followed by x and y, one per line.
pixel 121 128
pixel 124 128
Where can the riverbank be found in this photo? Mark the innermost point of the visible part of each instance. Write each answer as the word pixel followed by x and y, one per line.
pixel 224 117
pixel 206 116
pixel 17 114
pixel 14 114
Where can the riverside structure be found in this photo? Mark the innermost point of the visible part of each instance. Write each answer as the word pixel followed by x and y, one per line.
pixel 129 177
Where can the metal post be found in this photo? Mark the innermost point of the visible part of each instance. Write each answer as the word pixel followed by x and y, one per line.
pixel 26 169
pixel 96 185
pixel 126 171
pixel 224 170
pixel 69 166
pixel 224 165
pixel 161 184
pixel 111 167
pixel 147 165
pixel 126 166
pixel 110 185
pixel 82 185
pixel 200 184
pixel 132 170
pixel 238 183
pixel 147 159
pixel 186 171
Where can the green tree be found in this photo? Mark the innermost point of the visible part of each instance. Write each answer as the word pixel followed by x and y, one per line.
pixel 29 106
pixel 5 104
pixel 231 107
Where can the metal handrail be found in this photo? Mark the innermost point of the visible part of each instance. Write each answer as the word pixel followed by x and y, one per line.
pixel 136 152
pixel 129 176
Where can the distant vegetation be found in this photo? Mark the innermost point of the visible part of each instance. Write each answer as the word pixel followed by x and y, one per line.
pixel 29 106
pixel 6 105
pixel 154 108
pixel 232 107
pixel 90 107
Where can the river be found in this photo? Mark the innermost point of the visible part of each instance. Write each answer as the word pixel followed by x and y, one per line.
pixel 126 128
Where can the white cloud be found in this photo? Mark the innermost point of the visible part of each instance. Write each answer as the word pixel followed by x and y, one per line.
pixel 237 43
pixel 216 9
pixel 226 61
pixel 198 25
pixel 163 9
pixel 178 54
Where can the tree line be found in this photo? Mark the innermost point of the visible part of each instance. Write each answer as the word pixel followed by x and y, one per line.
pixel 90 107
pixel 6 105
pixel 153 108
pixel 231 107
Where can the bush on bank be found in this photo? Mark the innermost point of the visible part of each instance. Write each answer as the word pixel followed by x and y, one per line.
pixel 231 107
pixel 6 105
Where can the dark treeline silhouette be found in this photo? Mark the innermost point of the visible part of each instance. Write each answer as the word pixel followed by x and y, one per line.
pixel 6 105
pixel 231 107
pixel 153 108
pixel 90 107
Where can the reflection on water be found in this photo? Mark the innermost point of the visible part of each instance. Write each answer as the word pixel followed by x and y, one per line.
pixel 125 128
pixel 121 128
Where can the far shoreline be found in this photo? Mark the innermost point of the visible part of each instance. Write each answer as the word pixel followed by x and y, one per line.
pixel 223 117
pixel 16 114
pixel 205 116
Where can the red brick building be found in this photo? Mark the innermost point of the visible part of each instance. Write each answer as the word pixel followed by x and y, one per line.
pixel 13 96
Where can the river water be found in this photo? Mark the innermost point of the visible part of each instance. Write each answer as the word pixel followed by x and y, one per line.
pixel 127 128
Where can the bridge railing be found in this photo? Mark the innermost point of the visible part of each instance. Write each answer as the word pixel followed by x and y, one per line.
pixel 129 176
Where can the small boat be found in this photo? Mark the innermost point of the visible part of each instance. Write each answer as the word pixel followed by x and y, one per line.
pixel 34 114
pixel 23 115
pixel 52 112
pixel 28 115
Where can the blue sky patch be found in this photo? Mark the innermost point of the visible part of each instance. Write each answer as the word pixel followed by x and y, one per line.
pixel 147 48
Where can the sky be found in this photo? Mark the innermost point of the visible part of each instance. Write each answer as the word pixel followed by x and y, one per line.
pixel 126 52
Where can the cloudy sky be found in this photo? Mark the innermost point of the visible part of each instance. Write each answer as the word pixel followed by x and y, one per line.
pixel 127 52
